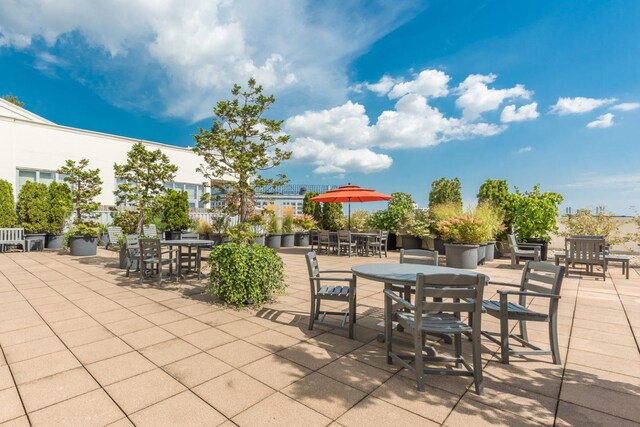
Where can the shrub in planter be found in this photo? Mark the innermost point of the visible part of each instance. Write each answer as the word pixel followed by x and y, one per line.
pixel 332 216
pixel 466 232
pixel 175 210
pixel 274 233
pixel 288 237
pixel 127 220
pixel 303 223
pixel 414 227
pixel 493 226
pixel 82 240
pixel 60 209
pixel 204 229
pixel 360 221
pixel 241 233
pixel 8 217
pixel 33 212
pixel 245 274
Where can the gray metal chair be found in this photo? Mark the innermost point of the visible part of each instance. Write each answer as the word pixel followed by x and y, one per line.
pixel 320 292
pixel 523 250
pixel 114 234
pixel 313 238
pixel 149 230
pixel 539 280
pixel 346 243
pixel 590 251
pixel 452 294
pixel 324 241
pixel 379 244
pixel 418 256
pixel 152 260
pixel 133 253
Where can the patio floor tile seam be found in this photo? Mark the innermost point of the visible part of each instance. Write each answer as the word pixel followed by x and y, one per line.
pixel 15 385
pixel 74 355
pixel 610 414
pixel 626 315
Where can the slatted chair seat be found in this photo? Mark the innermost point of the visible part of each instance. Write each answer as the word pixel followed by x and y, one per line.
pixel 515 310
pixel 339 292
pixel 436 324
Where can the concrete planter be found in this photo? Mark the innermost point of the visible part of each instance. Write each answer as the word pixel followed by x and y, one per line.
pixel 55 241
pixel 482 253
pixel 288 240
pixel 258 240
pixel 411 242
pixel 461 256
pixel 122 258
pixel 302 239
pixel 35 241
pixel 83 245
pixel 104 240
pixel 216 238
pixel 274 241
pixel 490 251
pixel 543 249
pixel 172 235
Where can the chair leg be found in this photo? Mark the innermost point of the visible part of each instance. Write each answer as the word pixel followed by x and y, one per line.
pixel 477 362
pixel 457 340
pixel 553 339
pixel 504 336
pixel 388 327
pixel 312 313
pixel 352 317
pixel 523 330
pixel 317 313
pixel 419 363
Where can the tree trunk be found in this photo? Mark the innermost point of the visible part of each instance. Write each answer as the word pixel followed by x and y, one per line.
pixel 140 223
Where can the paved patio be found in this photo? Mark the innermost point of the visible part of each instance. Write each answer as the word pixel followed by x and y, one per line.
pixel 83 345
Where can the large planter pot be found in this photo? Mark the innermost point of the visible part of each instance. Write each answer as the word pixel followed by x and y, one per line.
pixel 461 256
pixel 104 239
pixel 543 250
pixel 172 235
pixel 502 249
pixel 83 245
pixel 490 251
pixel 482 253
pixel 216 238
pixel 35 241
pixel 411 242
pixel 274 241
pixel 288 240
pixel 302 239
pixel 392 242
pixel 438 245
pixel 258 240
pixel 55 241
pixel 122 258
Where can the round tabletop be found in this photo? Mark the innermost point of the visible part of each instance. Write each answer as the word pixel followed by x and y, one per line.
pixel 403 274
pixel 188 242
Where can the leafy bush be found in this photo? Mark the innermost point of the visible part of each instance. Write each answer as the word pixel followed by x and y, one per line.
pixel 438 213
pixel 464 229
pixel 312 208
pixel 584 223
pixel 273 227
pixel 60 207
pixel 287 224
pixel 445 191
pixel 492 220
pixel 242 233
pixel 332 216
pixel 241 274
pixel 415 223
pixel 127 220
pixel 80 230
pixel 390 218
pixel 33 207
pixel 535 214
pixel 304 222
pixel 203 227
pixel 495 193
pixel 175 210
pixel 8 217
pixel 360 220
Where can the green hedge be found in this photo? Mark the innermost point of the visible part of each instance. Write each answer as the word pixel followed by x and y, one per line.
pixel 60 207
pixel 8 217
pixel 241 274
pixel 33 207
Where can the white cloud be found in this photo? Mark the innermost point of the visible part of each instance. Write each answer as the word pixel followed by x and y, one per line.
pixel 476 97
pixel 525 150
pixel 579 105
pixel 626 106
pixel 513 114
pixel 382 87
pixel 330 158
pixel 187 58
pixel 603 121
pixel 429 83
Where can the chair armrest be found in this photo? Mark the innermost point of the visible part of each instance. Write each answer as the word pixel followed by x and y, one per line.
pixel 530 245
pixel 525 293
pixel 390 294
pixel 510 285
pixel 336 271
pixel 333 279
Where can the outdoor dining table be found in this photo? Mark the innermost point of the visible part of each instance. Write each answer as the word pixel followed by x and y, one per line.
pixel 189 244
pixel 404 275
pixel 363 237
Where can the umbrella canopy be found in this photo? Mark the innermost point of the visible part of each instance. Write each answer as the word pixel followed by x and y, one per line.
pixel 350 193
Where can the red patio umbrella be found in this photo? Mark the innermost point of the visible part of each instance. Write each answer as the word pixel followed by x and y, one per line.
pixel 350 193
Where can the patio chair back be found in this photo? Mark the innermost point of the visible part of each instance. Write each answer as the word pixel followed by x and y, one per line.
pixel 149 249
pixel 114 233
pixel 418 256
pixel 541 277
pixel 314 270
pixel 150 230
pixel 450 293
pixel 513 242
pixel 189 236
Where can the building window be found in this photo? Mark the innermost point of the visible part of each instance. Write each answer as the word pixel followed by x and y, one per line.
pixel 194 192
pixel 44 177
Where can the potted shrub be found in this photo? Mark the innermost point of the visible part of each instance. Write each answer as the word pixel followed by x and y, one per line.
pixel 175 213
pixel 414 227
pixel 466 232
pixel 274 232
pixel 241 233
pixel 493 227
pixel 8 217
pixel 535 217
pixel 288 232
pixel 244 274
pixel 128 221
pixel 303 224
pixel 360 221
pixel 85 185
pixel 33 213
pixel 60 209
pixel 437 213
pixel 204 229
pixel 256 221
pixel 219 226
pixel 390 218
pixel 104 235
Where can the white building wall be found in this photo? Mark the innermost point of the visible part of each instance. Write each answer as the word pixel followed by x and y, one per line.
pixel 41 145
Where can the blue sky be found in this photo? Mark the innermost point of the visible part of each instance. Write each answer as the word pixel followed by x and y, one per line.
pixel 388 95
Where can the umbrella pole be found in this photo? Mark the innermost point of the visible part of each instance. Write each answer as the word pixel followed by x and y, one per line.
pixel 349 213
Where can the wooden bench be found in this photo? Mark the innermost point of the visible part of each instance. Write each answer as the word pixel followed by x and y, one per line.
pixel 11 237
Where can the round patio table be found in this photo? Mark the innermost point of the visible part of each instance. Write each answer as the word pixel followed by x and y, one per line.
pixel 190 244
pixel 402 274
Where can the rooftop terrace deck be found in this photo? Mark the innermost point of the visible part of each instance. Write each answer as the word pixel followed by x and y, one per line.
pixel 83 345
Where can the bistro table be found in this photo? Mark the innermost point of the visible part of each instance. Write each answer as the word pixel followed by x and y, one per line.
pixel 189 244
pixel 361 237
pixel 402 274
